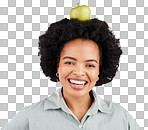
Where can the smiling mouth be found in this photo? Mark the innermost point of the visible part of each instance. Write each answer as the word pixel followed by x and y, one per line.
pixel 76 86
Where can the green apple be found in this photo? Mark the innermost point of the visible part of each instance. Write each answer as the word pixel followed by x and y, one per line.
pixel 81 13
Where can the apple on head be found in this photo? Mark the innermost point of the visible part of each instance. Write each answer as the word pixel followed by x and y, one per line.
pixel 81 13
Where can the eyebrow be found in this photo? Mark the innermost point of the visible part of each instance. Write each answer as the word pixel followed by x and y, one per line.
pixel 72 58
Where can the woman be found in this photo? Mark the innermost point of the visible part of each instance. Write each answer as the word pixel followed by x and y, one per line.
pixel 80 55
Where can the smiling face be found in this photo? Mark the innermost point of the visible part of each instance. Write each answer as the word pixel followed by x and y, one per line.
pixel 78 66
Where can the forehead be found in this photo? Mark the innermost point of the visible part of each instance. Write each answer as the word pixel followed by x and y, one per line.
pixel 79 46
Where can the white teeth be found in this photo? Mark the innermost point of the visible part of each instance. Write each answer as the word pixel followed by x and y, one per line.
pixel 77 82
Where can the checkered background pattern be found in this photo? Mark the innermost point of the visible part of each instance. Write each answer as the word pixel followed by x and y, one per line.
pixel 22 81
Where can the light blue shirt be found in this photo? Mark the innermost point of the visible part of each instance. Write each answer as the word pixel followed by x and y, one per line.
pixel 52 113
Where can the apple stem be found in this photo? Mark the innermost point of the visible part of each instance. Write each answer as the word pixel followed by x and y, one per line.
pixel 78 4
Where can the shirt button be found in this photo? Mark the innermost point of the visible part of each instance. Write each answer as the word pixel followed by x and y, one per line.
pixel 80 126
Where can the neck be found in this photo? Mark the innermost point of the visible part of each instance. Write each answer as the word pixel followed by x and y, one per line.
pixel 79 104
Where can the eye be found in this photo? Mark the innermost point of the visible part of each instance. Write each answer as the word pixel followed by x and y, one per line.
pixel 72 63
pixel 67 62
pixel 91 65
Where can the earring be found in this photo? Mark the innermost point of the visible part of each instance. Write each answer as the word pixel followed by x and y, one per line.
pixel 57 74
pixel 98 77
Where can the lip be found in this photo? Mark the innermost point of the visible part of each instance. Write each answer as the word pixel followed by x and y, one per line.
pixel 78 79
pixel 77 87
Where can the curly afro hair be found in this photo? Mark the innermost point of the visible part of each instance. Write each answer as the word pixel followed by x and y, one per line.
pixel 52 42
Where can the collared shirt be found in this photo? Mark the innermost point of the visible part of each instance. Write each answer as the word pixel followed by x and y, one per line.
pixel 52 113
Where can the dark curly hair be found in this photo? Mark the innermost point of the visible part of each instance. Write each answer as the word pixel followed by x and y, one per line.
pixel 52 42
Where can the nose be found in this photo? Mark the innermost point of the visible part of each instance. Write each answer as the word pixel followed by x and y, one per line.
pixel 79 71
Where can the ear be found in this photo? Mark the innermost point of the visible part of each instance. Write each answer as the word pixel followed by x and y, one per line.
pixel 57 67
pixel 99 71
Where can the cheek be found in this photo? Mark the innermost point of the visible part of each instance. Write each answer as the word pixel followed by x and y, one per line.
pixel 92 75
pixel 64 71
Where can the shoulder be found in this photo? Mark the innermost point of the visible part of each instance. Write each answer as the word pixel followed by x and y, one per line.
pixel 28 110
pixel 119 113
pixel 115 108
pixel 109 106
pixel 21 119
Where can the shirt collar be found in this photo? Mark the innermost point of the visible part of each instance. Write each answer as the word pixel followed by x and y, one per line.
pixel 56 101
